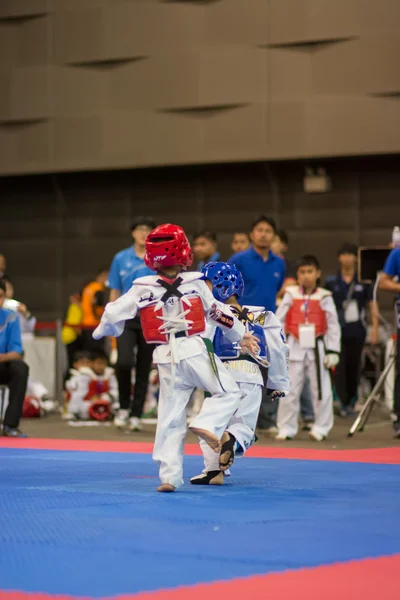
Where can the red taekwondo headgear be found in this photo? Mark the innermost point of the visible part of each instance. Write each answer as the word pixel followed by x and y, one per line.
pixel 167 246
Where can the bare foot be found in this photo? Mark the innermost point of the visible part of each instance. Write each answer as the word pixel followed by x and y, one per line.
pixel 166 487
pixel 227 451
pixel 208 437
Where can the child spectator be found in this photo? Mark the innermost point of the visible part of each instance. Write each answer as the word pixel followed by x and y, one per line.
pixel 308 316
pixel 93 390
pixel 71 334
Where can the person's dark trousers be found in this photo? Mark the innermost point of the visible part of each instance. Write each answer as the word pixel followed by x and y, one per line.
pixel 89 344
pixel 14 374
pixel 396 406
pixel 347 376
pixel 268 411
pixel 131 338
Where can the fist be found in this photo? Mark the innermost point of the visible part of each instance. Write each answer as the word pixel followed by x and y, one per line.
pixel 331 360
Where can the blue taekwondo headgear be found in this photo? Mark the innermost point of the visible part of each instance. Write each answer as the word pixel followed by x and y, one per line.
pixel 226 280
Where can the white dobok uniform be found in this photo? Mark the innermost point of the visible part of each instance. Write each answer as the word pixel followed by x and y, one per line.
pixel 294 312
pixel 85 385
pixel 174 319
pixel 248 375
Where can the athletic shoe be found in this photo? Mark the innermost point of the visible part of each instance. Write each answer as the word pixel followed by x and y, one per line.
pixel 13 432
pixel 282 437
pixel 270 431
pixel 135 424
pixel 121 418
pixel 316 436
pixel 307 425
pixel 396 430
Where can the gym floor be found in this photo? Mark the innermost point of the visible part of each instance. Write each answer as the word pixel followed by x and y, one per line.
pixel 80 518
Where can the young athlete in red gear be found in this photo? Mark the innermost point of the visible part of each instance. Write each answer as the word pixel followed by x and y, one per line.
pixel 309 319
pixel 174 308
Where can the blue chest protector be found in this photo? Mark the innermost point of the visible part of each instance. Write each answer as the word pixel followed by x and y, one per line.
pixel 226 350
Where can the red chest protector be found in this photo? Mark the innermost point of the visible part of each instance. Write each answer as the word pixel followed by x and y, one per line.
pixel 297 315
pixel 151 321
pixel 97 388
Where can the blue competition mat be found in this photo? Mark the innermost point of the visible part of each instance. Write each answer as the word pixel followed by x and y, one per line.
pixel 89 523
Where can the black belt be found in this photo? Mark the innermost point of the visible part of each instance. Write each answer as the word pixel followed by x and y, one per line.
pixel 247 358
pixel 180 334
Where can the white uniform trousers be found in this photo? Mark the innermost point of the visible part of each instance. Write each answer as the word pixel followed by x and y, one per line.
pixel 289 407
pixel 214 415
pixel 242 425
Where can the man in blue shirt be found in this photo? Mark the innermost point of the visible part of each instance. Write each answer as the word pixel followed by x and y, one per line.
pixel 127 266
pixel 205 248
pixel 13 371
pixel 263 272
pixel 389 281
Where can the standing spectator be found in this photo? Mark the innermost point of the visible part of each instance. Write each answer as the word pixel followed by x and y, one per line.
pixel 263 272
pixel 13 371
pixel 280 246
pixel 127 266
pixel 389 281
pixel 3 265
pixel 308 316
pixel 240 242
pixel 205 248
pixel 351 299
pixel 93 303
pixel 71 333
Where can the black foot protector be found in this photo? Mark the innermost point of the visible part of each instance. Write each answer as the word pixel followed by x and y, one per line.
pixel 210 478
pixel 227 454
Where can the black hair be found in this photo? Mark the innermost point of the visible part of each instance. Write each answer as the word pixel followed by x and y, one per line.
pixel 283 236
pixel 147 221
pixel 81 355
pixel 241 232
pixel 348 248
pixel 263 219
pixel 3 285
pixel 308 260
pixel 99 354
pixel 209 235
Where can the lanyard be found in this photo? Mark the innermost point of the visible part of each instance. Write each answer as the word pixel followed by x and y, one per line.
pixel 306 303
pixel 348 292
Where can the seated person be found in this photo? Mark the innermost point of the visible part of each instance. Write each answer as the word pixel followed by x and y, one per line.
pixel 94 390
pixel 35 390
pixel 13 371
pixel 79 360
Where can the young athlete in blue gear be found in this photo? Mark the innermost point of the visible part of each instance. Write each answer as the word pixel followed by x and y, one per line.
pixel 248 370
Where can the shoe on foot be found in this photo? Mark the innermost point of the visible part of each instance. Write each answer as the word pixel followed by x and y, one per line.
pixel 270 431
pixel 307 425
pixel 121 418
pixel 396 430
pixel 282 437
pixel 135 424
pixel 316 436
pixel 13 432
pixel 210 478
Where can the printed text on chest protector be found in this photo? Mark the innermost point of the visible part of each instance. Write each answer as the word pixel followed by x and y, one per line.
pixel 244 366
